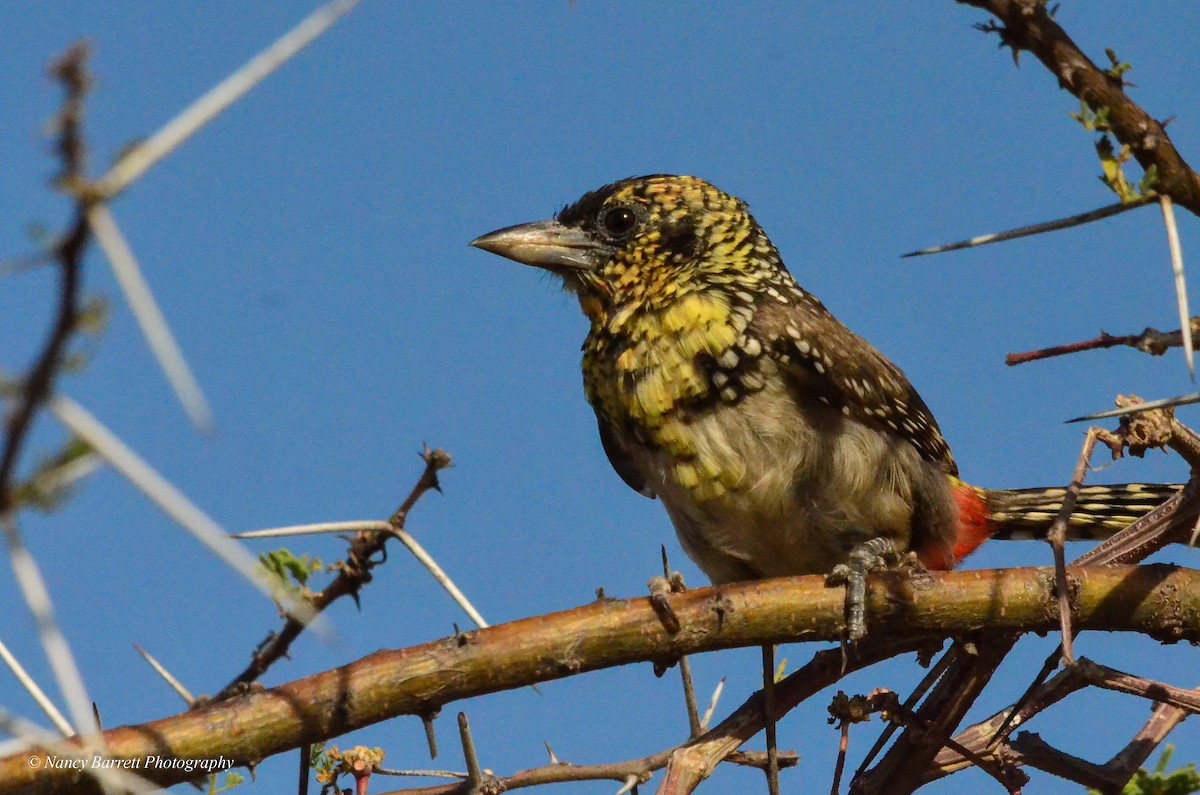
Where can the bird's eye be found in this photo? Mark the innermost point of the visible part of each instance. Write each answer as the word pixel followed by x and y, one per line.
pixel 619 221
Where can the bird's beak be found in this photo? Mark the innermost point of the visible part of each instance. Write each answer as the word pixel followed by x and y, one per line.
pixel 546 244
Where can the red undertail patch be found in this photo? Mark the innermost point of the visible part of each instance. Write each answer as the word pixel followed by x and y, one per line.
pixel 973 529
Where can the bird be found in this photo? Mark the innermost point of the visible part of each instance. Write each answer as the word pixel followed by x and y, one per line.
pixel 779 441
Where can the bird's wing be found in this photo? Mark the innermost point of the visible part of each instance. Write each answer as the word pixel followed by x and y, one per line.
pixel 621 460
pixel 831 363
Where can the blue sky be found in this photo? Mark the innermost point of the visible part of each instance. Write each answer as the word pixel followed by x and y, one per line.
pixel 309 248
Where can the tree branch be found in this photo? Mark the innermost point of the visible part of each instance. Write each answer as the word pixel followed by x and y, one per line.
pixel 1029 26
pixel 1162 602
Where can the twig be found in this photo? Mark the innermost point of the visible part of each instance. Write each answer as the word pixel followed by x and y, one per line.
pixel 984 737
pixel 1151 341
pixel 637 771
pixel 353 573
pixel 935 672
pixel 305 768
pixel 1032 750
pixel 689 698
pixel 692 763
pixel 71 70
pixel 383 771
pixel 768 709
pixel 1163 718
pixel 1034 229
pixel 1057 537
pixel 1112 679
pixel 685 667
pixel 1008 776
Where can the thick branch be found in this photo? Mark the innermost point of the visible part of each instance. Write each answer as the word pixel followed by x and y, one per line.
pixel 1029 26
pixel 1160 601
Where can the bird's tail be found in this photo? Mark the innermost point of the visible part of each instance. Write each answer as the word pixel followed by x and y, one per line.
pixel 1099 512
pixel 985 514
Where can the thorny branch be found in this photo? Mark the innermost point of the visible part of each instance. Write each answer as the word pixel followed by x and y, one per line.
pixel 352 574
pixel 562 772
pixel 71 70
pixel 1150 340
pixel 910 761
pixel 1027 25
pixel 1161 602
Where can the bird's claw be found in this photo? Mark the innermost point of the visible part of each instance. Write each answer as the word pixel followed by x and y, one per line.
pixel 660 590
pixel 869 557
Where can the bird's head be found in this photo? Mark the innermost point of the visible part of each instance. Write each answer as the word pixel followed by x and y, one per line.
pixel 642 241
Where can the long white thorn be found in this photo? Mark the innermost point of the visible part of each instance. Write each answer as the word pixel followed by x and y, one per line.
pixel 36 693
pixel 175 504
pixel 138 160
pixel 321 528
pixel 1181 298
pixel 423 557
pixel 149 317
pixel 58 651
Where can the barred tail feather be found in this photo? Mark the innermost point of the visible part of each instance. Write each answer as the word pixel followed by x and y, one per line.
pixel 1099 513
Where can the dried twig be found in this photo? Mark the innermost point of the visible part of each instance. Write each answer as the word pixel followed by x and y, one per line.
pixel 908 761
pixel 1150 340
pixel 353 573
pixel 71 70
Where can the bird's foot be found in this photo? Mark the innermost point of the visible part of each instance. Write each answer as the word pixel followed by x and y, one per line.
pixel 661 589
pixel 869 557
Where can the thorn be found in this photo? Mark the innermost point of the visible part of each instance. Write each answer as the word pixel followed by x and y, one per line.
pixel 171 681
pixel 712 705
pixel 474 774
pixel 1034 229
pixel 430 733
pixel 1181 299
pixel 1183 400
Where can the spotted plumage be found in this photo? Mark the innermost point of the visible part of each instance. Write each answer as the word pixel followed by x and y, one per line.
pixel 777 439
